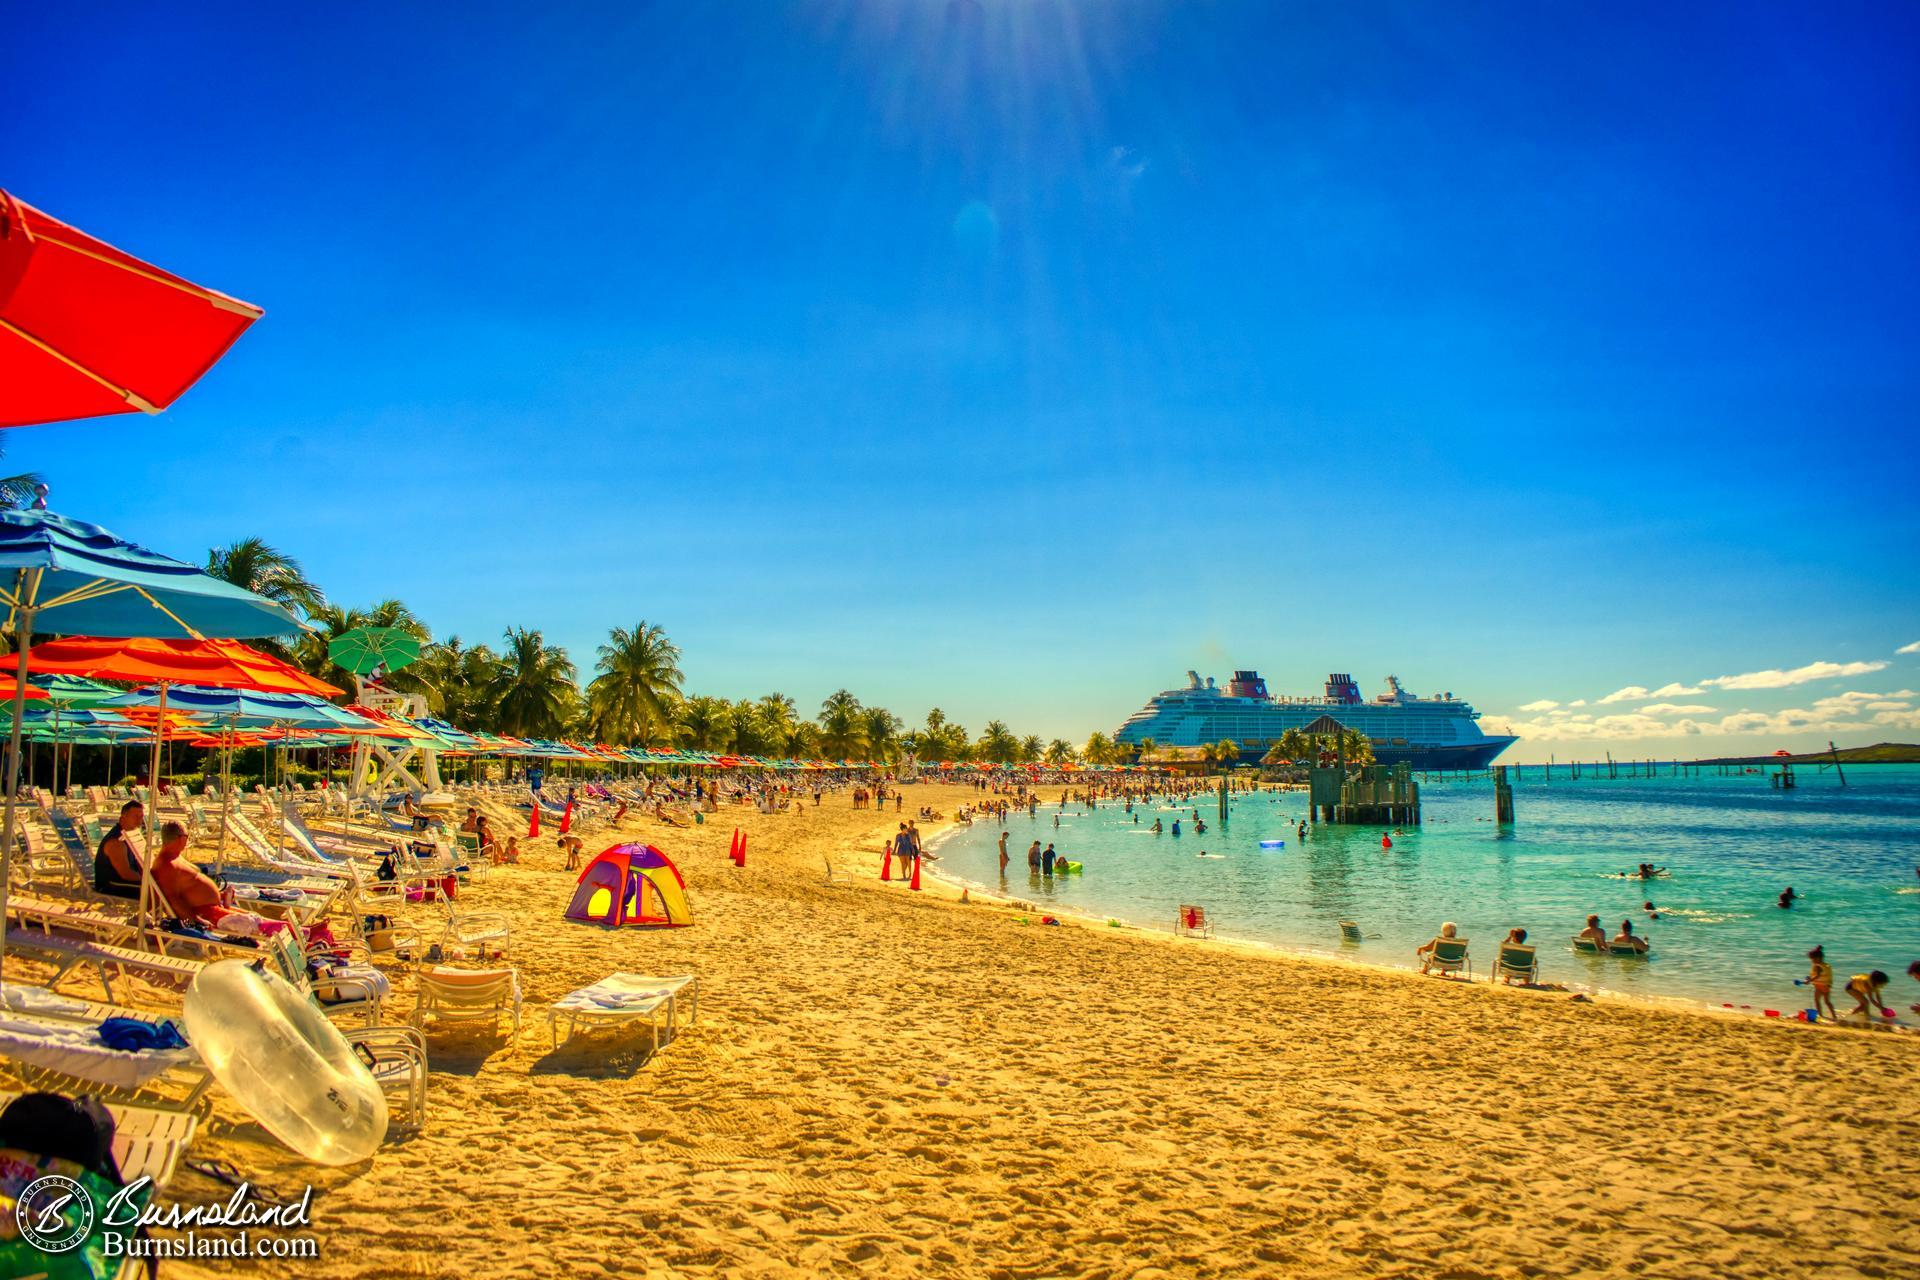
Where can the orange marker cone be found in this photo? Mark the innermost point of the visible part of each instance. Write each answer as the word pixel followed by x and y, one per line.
pixel 740 850
pixel 915 886
pixel 566 819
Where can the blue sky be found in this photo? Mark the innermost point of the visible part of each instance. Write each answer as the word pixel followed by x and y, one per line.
pixel 1016 357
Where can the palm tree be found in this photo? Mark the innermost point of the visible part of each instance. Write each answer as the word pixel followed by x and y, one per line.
pixel 457 681
pixel 1357 747
pixel 1031 749
pixel 1099 749
pixel 1059 751
pixel 997 745
pixel 633 697
pixel 707 724
pixel 1292 745
pixel 534 692
pixel 266 571
pixel 1145 748
pixel 881 730
pixel 776 717
pixel 1225 752
pixel 842 725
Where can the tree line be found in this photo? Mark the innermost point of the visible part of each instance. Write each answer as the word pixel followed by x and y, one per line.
pixel 528 687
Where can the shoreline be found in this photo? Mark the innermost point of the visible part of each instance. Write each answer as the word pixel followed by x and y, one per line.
pixel 986 895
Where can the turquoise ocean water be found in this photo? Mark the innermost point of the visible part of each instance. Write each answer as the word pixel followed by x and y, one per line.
pixel 1731 845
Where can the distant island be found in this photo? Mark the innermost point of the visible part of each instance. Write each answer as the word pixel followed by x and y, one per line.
pixel 1878 753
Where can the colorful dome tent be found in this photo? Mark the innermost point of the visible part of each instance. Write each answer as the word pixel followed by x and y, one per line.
pixel 630 884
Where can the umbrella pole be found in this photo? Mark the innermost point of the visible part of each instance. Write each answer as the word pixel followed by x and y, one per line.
pixel 226 798
pixel 24 624
pixel 153 818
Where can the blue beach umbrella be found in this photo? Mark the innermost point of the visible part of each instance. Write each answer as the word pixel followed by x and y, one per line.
pixel 70 578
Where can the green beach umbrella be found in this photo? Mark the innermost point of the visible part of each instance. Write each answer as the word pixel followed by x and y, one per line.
pixel 363 649
pixel 74 691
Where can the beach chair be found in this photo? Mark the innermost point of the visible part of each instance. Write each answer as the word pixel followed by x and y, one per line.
pixel 56 1046
pixel 1349 931
pixel 466 996
pixel 834 874
pixel 1191 922
pixel 1588 947
pixel 147 1141
pixel 624 998
pixel 1630 951
pixel 1516 960
pixel 1449 955
pixel 483 931
pixel 399 1065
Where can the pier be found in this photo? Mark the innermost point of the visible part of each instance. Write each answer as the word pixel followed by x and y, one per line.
pixel 1376 795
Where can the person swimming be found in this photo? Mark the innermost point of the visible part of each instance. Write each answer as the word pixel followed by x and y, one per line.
pixel 1176 826
pixel 1787 897
pixel 1648 907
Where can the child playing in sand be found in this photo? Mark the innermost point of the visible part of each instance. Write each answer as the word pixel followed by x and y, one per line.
pixel 1820 978
pixel 511 853
pixel 1865 989
pixel 571 846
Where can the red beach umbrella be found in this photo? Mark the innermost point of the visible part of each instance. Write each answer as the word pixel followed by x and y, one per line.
pixel 87 330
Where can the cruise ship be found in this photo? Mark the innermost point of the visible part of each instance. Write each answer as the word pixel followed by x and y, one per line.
pixel 1439 732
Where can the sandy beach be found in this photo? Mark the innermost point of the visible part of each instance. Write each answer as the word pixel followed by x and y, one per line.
pixel 890 1083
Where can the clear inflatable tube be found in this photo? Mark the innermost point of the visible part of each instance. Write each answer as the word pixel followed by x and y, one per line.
pixel 290 1068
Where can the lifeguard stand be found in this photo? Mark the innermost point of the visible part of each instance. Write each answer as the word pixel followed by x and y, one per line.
pixel 413 765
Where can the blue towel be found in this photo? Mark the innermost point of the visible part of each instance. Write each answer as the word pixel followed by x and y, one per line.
pixel 131 1035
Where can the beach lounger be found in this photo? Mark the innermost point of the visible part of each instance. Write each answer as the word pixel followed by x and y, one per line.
pixel 1449 955
pixel 1349 931
pixel 1516 960
pixel 147 1141
pixel 834 874
pixel 64 1052
pixel 1588 947
pixel 467 996
pixel 399 1065
pixel 623 998
pixel 1191 922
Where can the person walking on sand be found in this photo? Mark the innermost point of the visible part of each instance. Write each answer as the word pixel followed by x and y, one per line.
pixel 1003 855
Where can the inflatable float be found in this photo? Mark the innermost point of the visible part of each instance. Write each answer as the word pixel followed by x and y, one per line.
pixel 1061 867
pixel 289 1067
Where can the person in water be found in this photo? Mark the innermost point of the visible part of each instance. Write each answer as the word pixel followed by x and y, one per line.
pixel 1593 933
pixel 1865 989
pixel 1176 826
pixel 1047 860
pixel 1820 978
pixel 1787 896
pixel 1652 913
pixel 1033 856
pixel 1627 939
pixel 1003 854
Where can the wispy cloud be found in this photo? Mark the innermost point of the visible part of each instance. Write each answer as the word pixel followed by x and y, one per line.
pixel 1544 704
pixel 1632 693
pixel 1909 648
pixel 1676 709
pixel 1777 679
pixel 1676 690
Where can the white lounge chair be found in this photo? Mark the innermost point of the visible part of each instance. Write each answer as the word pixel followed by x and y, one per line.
pixel 623 998
pixel 466 995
